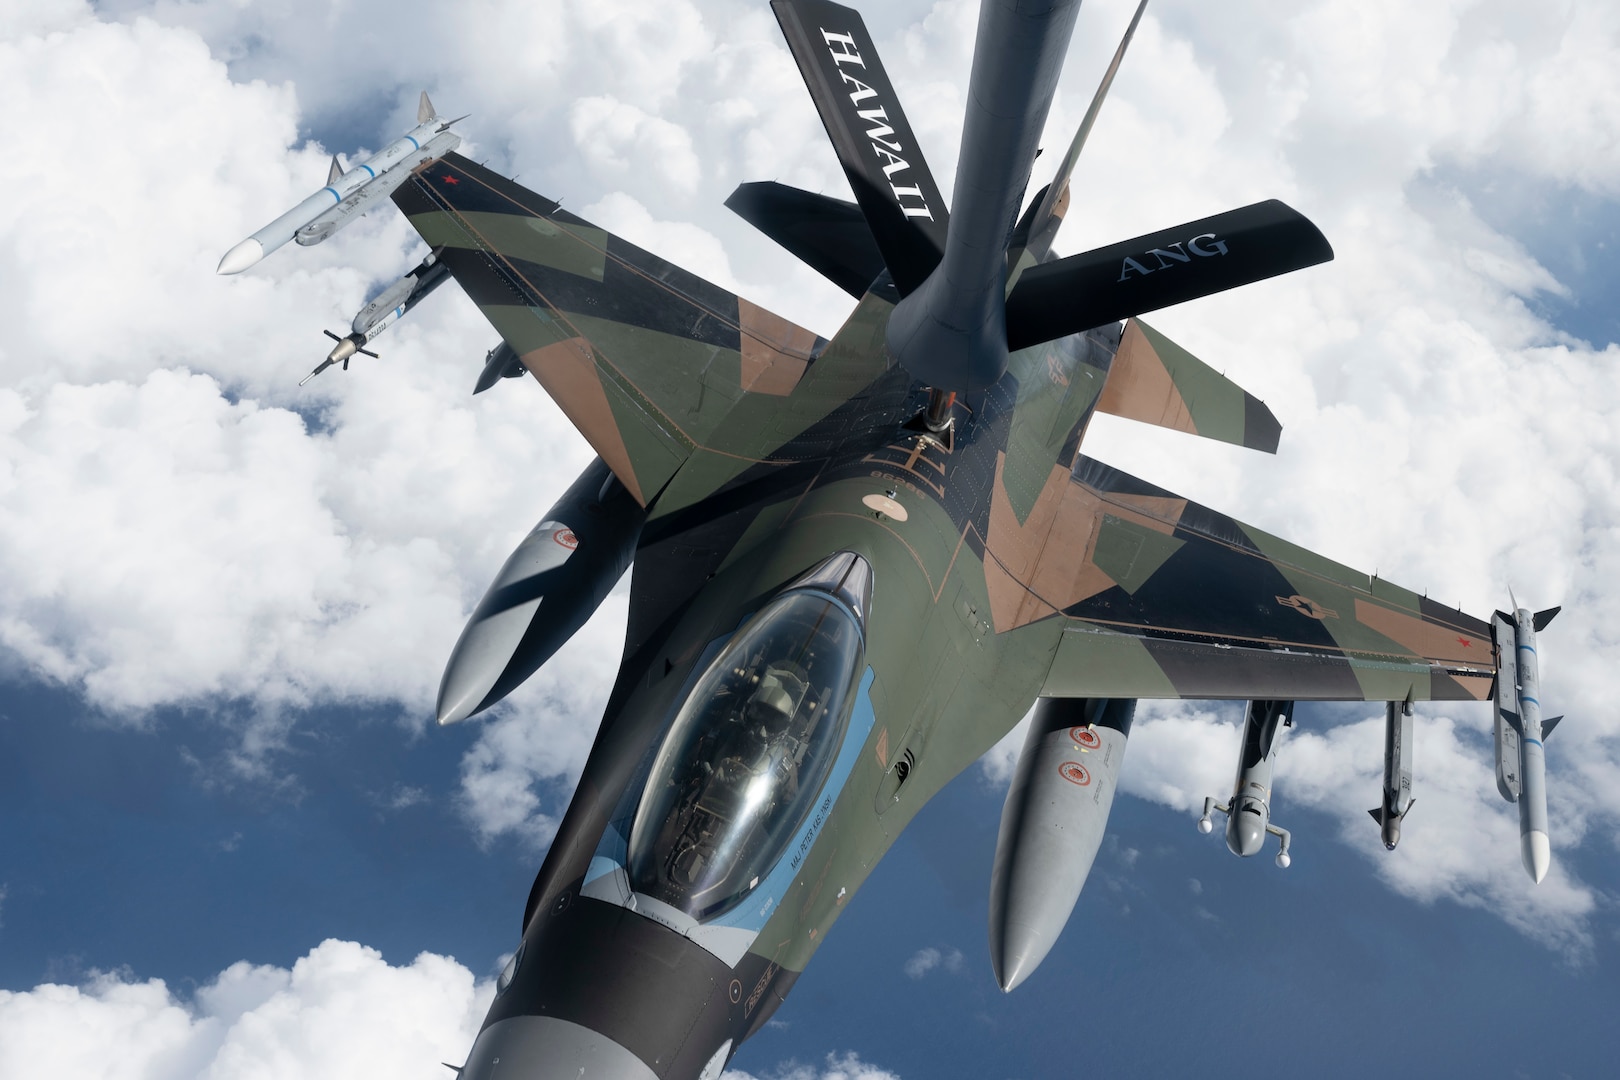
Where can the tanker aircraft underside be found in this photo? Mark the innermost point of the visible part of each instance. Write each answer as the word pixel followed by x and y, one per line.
pixel 859 561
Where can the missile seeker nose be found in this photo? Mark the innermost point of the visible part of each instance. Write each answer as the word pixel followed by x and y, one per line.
pixel 1536 851
pixel 240 257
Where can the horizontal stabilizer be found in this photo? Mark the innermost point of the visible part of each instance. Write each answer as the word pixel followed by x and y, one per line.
pixel 1156 381
pixel 1548 725
pixel 871 135
pixel 828 235
pixel 1155 271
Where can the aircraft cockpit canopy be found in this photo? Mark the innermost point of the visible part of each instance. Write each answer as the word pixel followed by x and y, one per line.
pixel 748 752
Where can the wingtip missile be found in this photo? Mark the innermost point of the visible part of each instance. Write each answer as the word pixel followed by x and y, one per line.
pixel 1521 732
pixel 348 194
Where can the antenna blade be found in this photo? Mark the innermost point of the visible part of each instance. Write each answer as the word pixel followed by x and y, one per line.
pixel 1059 188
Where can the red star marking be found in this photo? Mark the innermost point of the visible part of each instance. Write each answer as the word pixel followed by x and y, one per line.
pixel 1465 643
pixel 448 179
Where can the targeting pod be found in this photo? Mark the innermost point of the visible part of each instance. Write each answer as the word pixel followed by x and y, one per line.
pixel 1248 815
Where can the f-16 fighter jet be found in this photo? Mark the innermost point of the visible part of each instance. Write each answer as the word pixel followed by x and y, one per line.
pixel 859 561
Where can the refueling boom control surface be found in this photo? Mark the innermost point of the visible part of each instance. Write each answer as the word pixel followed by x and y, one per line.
pixel 1248 815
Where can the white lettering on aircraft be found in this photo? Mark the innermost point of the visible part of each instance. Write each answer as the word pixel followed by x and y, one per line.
pixel 879 132
pixel 1180 252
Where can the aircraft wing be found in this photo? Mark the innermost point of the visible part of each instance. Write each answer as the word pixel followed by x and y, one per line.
pixel 1163 598
pixel 647 360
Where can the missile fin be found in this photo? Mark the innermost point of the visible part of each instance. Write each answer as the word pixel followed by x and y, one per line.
pixel 333 173
pixel 1375 813
pixel 1541 618
pixel 425 110
pixel 1547 727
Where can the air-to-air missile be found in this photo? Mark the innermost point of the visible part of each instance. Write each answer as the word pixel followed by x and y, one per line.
pixel 382 312
pixel 550 585
pixel 1052 825
pixel 1521 764
pixel 1397 800
pixel 1248 816
pixel 349 194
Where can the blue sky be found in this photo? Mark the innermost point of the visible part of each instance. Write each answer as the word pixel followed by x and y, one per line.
pixel 225 601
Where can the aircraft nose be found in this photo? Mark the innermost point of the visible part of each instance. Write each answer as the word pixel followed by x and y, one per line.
pixel 548 1048
pixel 1245 833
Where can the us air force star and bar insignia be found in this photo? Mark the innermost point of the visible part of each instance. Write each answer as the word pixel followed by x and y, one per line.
pixel 1307 607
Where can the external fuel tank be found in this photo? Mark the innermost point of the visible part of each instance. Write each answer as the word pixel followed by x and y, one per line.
pixel 1052 825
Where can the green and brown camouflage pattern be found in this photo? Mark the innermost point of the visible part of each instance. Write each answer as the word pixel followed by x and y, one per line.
pixel 691 393
pixel 1156 381
pixel 1016 566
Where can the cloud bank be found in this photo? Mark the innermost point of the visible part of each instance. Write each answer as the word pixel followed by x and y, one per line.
pixel 340 1011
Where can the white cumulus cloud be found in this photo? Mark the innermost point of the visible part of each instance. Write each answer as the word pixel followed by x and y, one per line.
pixel 339 1011
pixel 846 1066
pixel 929 959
